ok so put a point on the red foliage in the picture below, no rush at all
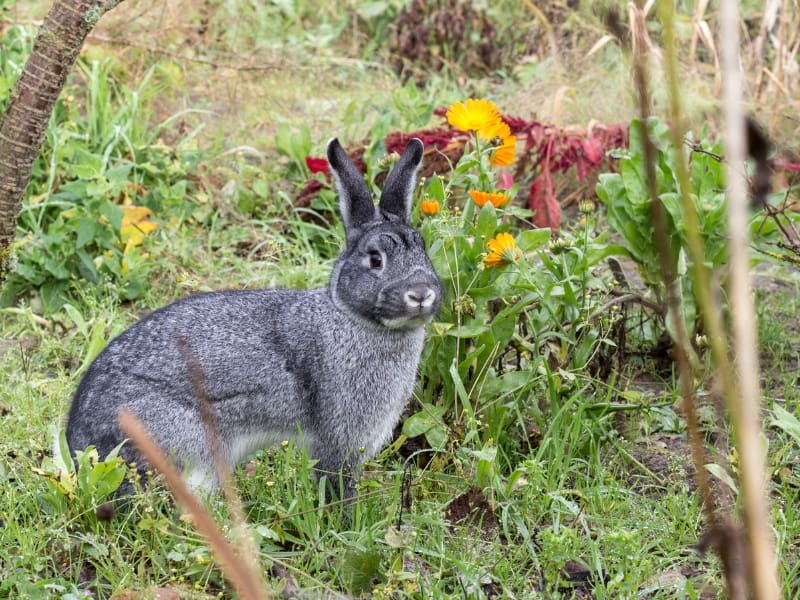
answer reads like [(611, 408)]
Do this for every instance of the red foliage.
[(550, 149), (547, 150), (786, 165), (543, 202), (317, 165), (438, 138)]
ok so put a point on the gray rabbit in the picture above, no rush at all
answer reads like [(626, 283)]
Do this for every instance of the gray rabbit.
[(334, 365)]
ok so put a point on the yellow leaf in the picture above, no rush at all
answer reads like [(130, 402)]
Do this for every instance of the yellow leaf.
[(136, 224)]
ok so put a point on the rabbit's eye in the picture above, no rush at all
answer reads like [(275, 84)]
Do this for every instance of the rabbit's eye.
[(375, 260)]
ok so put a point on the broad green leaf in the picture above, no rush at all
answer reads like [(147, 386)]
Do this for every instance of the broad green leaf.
[(787, 422), (87, 230), (436, 189), (77, 318), (533, 239), (487, 221), (105, 477)]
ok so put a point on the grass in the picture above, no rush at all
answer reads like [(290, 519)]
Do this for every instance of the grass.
[(582, 499)]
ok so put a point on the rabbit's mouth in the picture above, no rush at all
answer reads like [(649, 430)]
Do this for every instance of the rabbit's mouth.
[(410, 309), (407, 322), (412, 317)]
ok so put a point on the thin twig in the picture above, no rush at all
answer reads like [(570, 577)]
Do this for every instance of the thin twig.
[(247, 585)]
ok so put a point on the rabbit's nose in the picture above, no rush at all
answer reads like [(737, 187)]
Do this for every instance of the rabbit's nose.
[(420, 296)]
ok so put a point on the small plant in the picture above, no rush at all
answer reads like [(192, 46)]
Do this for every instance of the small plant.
[(83, 484), (517, 302), (630, 214)]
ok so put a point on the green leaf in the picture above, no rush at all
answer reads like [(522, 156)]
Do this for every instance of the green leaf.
[(113, 213), (428, 422), (86, 266), (595, 254), (633, 178), (52, 295), (461, 391), (96, 344), (86, 230), (787, 422), (722, 475), (260, 188), (436, 437), (105, 477), (77, 318), (487, 221), (511, 381), (469, 331), (370, 10), (98, 188), (533, 239), (436, 189), (86, 165), (63, 458)]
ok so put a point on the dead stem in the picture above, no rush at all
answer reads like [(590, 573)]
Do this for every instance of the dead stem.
[(681, 342), (746, 404), (248, 584), (244, 541)]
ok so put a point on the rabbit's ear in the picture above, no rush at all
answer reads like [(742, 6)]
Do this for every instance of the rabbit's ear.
[(400, 184), (355, 201)]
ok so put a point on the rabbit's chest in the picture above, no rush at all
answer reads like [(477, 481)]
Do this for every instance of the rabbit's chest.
[(376, 390)]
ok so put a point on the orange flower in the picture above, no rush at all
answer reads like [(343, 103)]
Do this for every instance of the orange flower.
[(497, 199), (429, 207), (502, 251), (506, 149), (472, 115), (505, 154)]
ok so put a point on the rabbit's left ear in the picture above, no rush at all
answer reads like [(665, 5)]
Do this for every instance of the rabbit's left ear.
[(400, 184)]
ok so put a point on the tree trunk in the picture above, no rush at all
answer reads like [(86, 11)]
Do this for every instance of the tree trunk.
[(24, 123)]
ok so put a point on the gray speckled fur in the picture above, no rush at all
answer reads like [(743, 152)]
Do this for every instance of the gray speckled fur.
[(337, 364)]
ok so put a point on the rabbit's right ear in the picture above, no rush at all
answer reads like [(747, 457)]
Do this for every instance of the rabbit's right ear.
[(355, 201)]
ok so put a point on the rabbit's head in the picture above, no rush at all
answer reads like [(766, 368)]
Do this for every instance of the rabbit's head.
[(384, 276)]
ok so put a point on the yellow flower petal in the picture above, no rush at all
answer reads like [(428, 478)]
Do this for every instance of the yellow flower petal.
[(473, 114), (494, 129), (136, 225), (502, 251)]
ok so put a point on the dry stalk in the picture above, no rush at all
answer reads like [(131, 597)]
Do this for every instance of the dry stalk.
[(699, 13), (244, 540), (548, 27), (247, 583), (746, 404), (681, 343), (711, 310)]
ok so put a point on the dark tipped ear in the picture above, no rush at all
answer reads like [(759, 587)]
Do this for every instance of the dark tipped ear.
[(400, 184), (355, 201)]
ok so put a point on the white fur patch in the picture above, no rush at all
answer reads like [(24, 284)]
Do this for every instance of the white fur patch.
[(246, 445)]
